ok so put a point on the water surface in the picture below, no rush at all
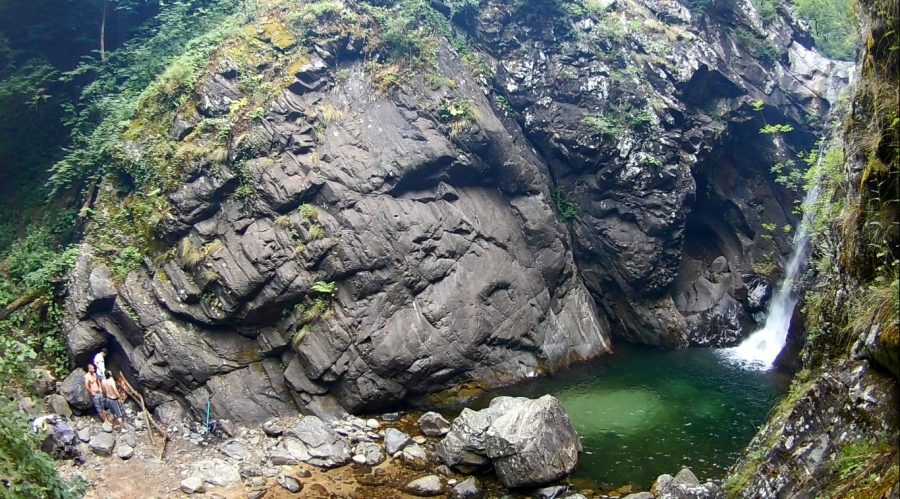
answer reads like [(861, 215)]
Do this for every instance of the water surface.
[(643, 412)]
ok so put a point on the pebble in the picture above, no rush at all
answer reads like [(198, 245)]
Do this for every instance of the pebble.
[(390, 416), (106, 427), (193, 485), (125, 452), (289, 483), (419, 439), (359, 459), (373, 424)]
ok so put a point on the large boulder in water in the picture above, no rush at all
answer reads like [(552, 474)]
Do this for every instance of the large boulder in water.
[(529, 442)]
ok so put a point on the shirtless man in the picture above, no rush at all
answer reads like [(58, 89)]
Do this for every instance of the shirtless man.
[(111, 391), (92, 383)]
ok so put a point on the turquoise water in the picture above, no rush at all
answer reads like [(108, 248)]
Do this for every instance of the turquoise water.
[(643, 412)]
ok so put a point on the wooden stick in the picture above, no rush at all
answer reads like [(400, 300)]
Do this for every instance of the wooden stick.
[(152, 424)]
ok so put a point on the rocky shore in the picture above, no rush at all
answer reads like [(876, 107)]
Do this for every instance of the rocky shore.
[(517, 447)]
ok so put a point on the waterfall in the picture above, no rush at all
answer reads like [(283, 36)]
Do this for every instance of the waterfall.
[(762, 347)]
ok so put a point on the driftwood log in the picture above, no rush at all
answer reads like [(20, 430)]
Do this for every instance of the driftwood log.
[(151, 423)]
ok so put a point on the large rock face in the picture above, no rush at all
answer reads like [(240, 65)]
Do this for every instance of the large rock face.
[(434, 209)]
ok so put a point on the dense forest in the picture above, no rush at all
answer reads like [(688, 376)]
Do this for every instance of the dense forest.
[(81, 80)]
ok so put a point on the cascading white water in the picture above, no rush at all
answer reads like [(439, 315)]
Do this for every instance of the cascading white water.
[(763, 346)]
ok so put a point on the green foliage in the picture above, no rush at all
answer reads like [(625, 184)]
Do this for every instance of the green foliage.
[(308, 211), (567, 208), (177, 41), (602, 124), (323, 287), (761, 48), (776, 128), (410, 30), (455, 109), (833, 26), (129, 260), (315, 232), (25, 470), (767, 10)]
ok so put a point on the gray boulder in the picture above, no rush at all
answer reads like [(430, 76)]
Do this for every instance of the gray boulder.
[(433, 424), (426, 486), (325, 446), (57, 404), (395, 440), (84, 434), (534, 443), (217, 472), (639, 495), (414, 456), (684, 485), (371, 452), (72, 388), (103, 444)]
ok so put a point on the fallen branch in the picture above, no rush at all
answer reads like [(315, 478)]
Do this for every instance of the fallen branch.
[(20, 302), (151, 423)]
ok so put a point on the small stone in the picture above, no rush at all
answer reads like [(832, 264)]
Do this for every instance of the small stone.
[(687, 477), (719, 265), (303, 473), (248, 470), (234, 449), (84, 434), (193, 485), (452, 482), (433, 424), (467, 489), (130, 440), (256, 494), (289, 483), (359, 459), (257, 481), (106, 427), (395, 440), (414, 456), (373, 424), (371, 452), (124, 452), (390, 416), (419, 439), (103, 444), (426, 486), (553, 492), (444, 470), (639, 495), (218, 472)]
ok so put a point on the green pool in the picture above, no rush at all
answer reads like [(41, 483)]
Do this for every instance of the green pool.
[(643, 412)]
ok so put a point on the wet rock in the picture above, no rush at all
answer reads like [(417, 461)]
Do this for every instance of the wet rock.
[(289, 483), (57, 404), (553, 492), (414, 456), (124, 452), (103, 444), (326, 447), (684, 485), (467, 489), (217, 472), (395, 440), (533, 443), (426, 486), (371, 452), (193, 485), (433, 424)]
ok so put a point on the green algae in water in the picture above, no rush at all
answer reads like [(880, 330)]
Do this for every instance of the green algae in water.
[(643, 412)]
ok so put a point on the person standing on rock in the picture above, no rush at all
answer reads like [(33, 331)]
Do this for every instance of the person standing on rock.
[(92, 384), (100, 363), (111, 392)]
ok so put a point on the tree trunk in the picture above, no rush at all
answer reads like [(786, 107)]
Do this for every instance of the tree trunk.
[(103, 32)]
